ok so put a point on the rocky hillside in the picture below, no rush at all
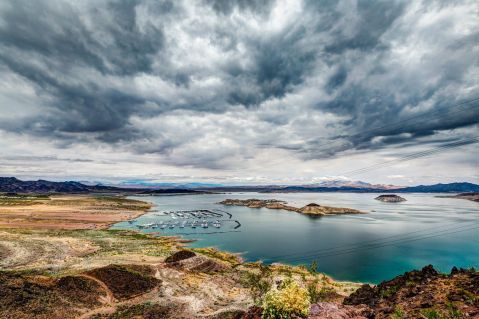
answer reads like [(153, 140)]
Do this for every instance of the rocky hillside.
[(422, 294)]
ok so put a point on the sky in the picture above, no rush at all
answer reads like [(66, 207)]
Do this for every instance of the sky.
[(240, 92)]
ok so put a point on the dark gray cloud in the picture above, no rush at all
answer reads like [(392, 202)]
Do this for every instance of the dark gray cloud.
[(179, 78), (253, 6), (56, 32)]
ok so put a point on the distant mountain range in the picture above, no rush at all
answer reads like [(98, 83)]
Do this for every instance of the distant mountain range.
[(357, 187), (14, 185), (350, 184)]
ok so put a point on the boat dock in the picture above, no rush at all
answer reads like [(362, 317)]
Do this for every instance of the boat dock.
[(199, 218)]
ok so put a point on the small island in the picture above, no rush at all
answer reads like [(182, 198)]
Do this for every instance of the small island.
[(312, 209), (390, 198)]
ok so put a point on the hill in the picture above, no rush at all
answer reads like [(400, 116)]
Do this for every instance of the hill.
[(14, 185), (441, 188)]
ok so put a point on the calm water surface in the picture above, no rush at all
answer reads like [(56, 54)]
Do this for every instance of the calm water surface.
[(391, 239)]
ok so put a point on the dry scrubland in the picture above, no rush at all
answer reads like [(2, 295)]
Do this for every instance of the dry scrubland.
[(67, 212), (119, 274), (50, 270)]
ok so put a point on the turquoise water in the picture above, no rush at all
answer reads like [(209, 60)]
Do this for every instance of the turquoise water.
[(391, 239)]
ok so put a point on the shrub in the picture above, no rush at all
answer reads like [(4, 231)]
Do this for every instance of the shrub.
[(313, 268), (313, 291), (398, 314), (289, 302), (260, 283)]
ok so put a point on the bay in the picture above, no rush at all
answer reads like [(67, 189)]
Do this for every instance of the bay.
[(390, 239)]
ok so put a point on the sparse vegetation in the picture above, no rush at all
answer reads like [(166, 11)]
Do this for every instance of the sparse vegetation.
[(452, 312), (229, 258), (260, 282), (126, 281), (146, 310), (398, 313), (313, 268), (313, 291)]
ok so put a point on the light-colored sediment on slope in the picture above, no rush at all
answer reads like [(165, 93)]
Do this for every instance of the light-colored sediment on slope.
[(67, 212), (209, 284), (310, 209)]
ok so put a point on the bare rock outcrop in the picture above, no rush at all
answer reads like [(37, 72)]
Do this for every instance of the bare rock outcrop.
[(188, 260), (390, 198), (420, 292)]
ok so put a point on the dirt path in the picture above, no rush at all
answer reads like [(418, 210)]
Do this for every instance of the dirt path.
[(109, 298), (111, 303)]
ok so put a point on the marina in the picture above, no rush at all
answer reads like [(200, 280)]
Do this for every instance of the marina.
[(199, 218)]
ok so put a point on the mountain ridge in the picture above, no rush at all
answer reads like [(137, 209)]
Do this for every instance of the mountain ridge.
[(15, 185)]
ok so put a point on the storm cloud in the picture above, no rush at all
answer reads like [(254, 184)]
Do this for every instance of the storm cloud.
[(220, 85)]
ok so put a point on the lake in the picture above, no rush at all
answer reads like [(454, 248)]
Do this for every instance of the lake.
[(391, 239)]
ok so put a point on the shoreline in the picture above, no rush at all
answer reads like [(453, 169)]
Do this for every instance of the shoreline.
[(68, 211), (184, 242)]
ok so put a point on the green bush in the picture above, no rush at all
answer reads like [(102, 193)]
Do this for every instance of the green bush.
[(259, 282), (398, 314), (313, 291), (289, 302)]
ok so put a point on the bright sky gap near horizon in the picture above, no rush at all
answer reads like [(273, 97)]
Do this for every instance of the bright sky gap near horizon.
[(240, 92)]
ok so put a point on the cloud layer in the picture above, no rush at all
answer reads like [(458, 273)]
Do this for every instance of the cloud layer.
[(222, 87)]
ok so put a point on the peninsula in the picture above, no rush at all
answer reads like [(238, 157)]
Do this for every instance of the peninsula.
[(310, 209), (474, 196)]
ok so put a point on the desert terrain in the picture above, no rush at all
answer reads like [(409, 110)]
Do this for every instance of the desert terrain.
[(57, 260), (67, 211)]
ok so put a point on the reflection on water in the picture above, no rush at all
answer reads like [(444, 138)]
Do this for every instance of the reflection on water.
[(390, 239)]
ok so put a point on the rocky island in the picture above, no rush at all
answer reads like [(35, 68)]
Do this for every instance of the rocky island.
[(310, 209), (390, 198)]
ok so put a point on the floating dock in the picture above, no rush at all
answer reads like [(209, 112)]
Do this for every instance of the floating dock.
[(199, 218)]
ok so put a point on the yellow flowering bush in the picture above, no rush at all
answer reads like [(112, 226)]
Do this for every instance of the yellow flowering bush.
[(291, 301)]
